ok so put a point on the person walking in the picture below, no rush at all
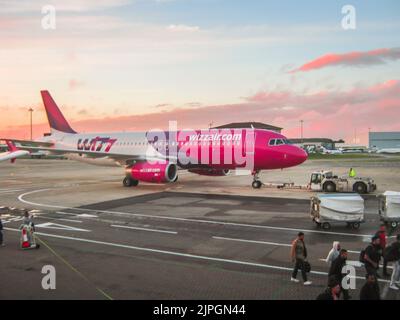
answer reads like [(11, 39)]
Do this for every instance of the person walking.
[(336, 271), (372, 256), (334, 253), (370, 290), (381, 233), (392, 253), (299, 256), (332, 292), (1, 234)]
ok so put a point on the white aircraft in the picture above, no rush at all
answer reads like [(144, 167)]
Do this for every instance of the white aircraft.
[(156, 156)]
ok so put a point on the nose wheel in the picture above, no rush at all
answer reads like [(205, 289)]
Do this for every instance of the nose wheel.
[(256, 182)]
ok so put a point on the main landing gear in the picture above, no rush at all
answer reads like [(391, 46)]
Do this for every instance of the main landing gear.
[(256, 182), (129, 182)]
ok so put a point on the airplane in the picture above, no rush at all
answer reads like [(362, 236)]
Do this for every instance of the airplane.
[(156, 156)]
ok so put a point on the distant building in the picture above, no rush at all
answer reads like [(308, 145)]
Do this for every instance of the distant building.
[(384, 140), (316, 142), (255, 125)]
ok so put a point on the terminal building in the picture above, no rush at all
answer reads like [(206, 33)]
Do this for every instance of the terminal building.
[(315, 142), (255, 125), (384, 140)]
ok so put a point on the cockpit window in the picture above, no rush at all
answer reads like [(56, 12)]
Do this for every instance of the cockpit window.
[(278, 142)]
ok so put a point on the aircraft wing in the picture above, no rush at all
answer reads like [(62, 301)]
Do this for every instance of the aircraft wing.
[(29, 142), (123, 159)]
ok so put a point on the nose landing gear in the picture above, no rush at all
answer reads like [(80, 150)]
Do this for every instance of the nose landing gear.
[(256, 182)]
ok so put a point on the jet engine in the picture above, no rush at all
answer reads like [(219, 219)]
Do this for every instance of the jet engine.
[(149, 172)]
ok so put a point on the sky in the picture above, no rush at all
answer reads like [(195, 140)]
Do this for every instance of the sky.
[(126, 65)]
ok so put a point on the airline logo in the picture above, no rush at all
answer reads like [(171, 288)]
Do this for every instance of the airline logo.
[(216, 137), (97, 144)]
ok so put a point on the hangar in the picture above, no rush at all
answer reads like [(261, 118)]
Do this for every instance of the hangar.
[(384, 140)]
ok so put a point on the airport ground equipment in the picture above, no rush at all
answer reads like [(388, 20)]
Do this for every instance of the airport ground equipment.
[(329, 209), (328, 182), (389, 208)]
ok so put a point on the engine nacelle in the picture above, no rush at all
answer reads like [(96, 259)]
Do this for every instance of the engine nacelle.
[(210, 172), (155, 173)]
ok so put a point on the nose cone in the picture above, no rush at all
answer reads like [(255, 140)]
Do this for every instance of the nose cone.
[(297, 156)]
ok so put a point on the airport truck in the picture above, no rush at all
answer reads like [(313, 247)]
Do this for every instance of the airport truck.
[(328, 182)]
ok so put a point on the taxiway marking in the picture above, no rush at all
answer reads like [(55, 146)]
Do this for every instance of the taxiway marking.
[(50, 225), (265, 242), (185, 255), (143, 229), (21, 198)]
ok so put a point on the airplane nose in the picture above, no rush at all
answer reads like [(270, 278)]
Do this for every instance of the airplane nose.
[(297, 156), (301, 155)]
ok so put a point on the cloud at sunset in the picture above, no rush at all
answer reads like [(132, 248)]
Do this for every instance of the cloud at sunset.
[(333, 114), (356, 58)]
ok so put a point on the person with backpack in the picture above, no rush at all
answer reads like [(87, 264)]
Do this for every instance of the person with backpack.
[(298, 255), (371, 256), (381, 233), (370, 290), (392, 254), (336, 271)]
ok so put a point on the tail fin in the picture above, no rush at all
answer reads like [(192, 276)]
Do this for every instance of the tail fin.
[(11, 146), (56, 119)]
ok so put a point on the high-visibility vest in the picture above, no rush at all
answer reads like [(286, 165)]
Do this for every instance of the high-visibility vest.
[(352, 173)]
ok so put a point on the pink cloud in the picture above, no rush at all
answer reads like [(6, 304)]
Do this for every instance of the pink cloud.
[(356, 58), (334, 114)]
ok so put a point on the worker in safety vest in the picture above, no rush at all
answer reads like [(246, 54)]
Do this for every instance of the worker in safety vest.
[(352, 173)]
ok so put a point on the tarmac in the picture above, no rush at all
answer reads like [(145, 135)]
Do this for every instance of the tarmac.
[(200, 238)]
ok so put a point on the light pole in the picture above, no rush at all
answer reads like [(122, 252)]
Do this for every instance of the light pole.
[(31, 111), (301, 126)]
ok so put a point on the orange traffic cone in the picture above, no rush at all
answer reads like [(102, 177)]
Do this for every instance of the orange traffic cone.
[(25, 242)]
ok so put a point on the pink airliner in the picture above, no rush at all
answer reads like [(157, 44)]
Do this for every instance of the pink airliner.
[(156, 156)]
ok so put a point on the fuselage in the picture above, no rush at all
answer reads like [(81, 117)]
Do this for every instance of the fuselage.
[(213, 148)]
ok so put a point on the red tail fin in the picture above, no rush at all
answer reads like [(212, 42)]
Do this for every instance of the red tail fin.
[(11, 146), (54, 115)]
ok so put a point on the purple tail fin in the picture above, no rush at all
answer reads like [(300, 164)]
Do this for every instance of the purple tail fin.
[(54, 115)]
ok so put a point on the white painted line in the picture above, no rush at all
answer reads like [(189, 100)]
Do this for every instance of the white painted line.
[(58, 219), (84, 215), (68, 220), (143, 229), (20, 198), (67, 213), (179, 254), (265, 242), (50, 225), (253, 241)]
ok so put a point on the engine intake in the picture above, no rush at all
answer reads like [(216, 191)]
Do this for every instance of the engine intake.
[(155, 173)]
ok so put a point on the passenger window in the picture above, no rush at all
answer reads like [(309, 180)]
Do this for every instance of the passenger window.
[(279, 142), (272, 142)]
